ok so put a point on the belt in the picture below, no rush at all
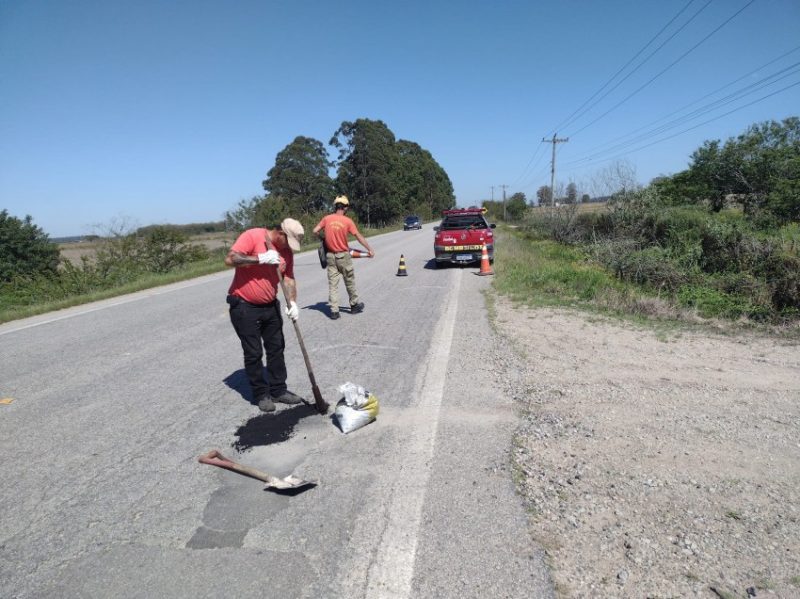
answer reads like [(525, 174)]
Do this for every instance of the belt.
[(233, 299)]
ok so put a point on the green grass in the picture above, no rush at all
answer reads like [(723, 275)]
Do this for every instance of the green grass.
[(537, 271), (197, 269), (542, 272)]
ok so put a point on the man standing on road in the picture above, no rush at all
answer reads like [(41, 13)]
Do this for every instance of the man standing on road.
[(258, 254), (334, 229)]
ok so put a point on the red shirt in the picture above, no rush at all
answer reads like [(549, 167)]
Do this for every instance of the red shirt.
[(336, 227), (258, 283)]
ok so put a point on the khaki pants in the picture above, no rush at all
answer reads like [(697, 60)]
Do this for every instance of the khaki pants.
[(340, 265)]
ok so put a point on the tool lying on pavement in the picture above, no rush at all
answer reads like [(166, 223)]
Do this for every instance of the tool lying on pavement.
[(215, 458)]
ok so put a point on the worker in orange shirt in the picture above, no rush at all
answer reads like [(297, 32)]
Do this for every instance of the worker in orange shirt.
[(334, 229)]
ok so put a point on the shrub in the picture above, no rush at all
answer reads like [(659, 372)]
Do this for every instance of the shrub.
[(782, 273), (25, 250), (710, 302), (122, 258), (650, 266)]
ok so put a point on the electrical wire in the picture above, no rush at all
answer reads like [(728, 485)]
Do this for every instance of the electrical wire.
[(672, 64), (682, 108), (698, 112), (579, 112), (571, 120), (716, 118)]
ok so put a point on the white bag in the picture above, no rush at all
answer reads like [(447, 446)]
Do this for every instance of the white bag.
[(357, 408)]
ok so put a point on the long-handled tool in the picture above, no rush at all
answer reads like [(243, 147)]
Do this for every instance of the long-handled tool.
[(319, 402), (215, 458)]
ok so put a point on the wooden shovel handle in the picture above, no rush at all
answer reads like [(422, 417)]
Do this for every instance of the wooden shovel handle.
[(215, 458)]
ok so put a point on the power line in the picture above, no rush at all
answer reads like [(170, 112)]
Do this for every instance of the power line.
[(719, 89), (570, 119), (716, 118), (698, 112), (527, 166), (672, 64)]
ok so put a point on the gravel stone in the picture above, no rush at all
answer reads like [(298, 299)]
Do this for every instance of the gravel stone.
[(655, 466)]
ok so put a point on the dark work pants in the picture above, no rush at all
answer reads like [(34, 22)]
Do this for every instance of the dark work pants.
[(257, 325)]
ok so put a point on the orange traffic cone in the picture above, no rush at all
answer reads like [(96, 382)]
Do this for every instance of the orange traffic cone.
[(486, 268), (354, 253), (401, 270)]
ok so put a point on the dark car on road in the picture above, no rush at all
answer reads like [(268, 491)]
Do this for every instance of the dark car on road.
[(411, 222), (461, 236)]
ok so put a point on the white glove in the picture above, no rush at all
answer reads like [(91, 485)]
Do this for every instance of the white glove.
[(293, 311), (269, 257)]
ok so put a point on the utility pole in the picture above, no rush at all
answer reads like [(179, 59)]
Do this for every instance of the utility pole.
[(492, 193), (504, 200), (554, 141)]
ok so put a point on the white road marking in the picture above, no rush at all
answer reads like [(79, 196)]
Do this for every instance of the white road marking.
[(392, 569)]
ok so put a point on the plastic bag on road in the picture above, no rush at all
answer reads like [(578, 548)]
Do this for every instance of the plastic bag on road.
[(357, 408)]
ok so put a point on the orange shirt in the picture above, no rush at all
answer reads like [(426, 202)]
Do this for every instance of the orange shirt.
[(336, 227), (258, 283)]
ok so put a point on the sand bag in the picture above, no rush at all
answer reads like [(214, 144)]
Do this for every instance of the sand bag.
[(357, 408)]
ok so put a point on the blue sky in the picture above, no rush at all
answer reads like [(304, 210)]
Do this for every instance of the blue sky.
[(172, 112)]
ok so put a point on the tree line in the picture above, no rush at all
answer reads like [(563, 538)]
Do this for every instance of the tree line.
[(384, 178)]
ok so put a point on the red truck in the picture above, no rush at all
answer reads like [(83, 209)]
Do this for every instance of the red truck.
[(461, 235)]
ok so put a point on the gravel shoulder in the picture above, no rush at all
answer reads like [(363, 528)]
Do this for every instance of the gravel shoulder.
[(656, 467)]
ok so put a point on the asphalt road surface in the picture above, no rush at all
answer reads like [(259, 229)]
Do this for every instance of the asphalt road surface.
[(113, 402)]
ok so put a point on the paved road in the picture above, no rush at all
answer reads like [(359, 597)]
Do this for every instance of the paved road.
[(102, 495)]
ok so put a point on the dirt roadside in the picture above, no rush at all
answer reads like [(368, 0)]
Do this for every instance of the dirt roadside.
[(656, 467)]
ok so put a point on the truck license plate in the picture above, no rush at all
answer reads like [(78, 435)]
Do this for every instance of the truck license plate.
[(464, 257)]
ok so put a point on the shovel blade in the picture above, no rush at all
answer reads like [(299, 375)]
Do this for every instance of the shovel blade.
[(289, 482)]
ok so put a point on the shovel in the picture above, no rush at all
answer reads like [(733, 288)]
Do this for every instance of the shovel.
[(215, 458), (319, 401)]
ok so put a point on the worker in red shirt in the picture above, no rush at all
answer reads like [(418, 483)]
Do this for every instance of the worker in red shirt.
[(334, 229), (255, 310)]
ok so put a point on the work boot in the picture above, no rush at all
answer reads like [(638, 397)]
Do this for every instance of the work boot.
[(266, 405), (357, 309), (335, 315), (287, 397)]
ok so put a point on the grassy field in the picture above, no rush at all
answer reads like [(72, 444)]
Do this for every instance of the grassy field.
[(542, 272), (74, 250)]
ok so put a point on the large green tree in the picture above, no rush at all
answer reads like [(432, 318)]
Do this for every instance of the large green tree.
[(367, 168), (572, 193), (516, 205), (544, 197), (422, 184), (25, 249), (760, 167), (300, 176), (385, 178)]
